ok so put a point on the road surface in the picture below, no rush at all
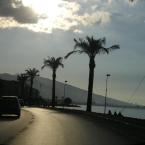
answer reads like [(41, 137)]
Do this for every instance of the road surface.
[(51, 127), (10, 126)]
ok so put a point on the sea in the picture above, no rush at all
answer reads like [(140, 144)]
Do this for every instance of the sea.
[(126, 111)]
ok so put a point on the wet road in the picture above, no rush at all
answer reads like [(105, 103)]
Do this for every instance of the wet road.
[(54, 128)]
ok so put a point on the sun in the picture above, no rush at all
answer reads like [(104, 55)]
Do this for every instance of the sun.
[(52, 14), (45, 8)]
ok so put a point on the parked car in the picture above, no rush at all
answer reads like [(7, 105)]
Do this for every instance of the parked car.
[(10, 105)]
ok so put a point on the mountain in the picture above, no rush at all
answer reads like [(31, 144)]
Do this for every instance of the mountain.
[(78, 96)]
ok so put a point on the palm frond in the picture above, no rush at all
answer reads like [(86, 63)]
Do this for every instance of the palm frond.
[(32, 72), (22, 77), (43, 66), (52, 63), (59, 59), (115, 47), (59, 62), (70, 53), (91, 46), (103, 41), (103, 50)]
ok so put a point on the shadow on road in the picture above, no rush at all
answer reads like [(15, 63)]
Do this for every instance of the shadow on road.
[(8, 118)]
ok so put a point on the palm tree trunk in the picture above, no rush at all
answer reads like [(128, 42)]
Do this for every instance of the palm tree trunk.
[(22, 90), (90, 85), (31, 87), (53, 88)]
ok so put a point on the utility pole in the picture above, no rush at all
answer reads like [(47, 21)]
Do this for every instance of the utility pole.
[(65, 83), (107, 76)]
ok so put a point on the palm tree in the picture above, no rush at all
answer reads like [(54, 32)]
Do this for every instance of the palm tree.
[(22, 78), (91, 47), (53, 63), (32, 73)]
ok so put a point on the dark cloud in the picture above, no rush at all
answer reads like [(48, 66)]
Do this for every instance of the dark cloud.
[(16, 10)]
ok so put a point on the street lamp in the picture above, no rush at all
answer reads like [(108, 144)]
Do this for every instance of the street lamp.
[(107, 76), (65, 83)]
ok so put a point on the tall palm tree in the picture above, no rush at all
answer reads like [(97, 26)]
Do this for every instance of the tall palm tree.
[(32, 73), (53, 63), (91, 47), (22, 78)]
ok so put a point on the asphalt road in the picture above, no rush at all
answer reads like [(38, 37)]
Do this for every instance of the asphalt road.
[(51, 127), (10, 126)]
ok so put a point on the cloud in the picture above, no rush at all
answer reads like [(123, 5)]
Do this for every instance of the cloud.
[(73, 14), (77, 31), (7, 22), (15, 9), (100, 17)]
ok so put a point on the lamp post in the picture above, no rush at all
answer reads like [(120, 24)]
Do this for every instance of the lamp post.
[(65, 83), (107, 76)]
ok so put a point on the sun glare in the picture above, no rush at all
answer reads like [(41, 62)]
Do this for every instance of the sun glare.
[(45, 8), (53, 14)]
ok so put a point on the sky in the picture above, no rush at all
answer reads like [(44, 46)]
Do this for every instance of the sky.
[(31, 30)]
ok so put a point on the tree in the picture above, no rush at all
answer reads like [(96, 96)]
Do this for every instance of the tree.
[(22, 78), (91, 47), (53, 63), (32, 73)]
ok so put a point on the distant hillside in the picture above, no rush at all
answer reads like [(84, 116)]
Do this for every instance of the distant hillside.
[(78, 96), (13, 88)]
